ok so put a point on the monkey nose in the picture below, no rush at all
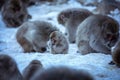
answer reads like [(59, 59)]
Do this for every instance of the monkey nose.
[(43, 49)]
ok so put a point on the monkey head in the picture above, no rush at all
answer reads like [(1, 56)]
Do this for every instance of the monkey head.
[(64, 16), (55, 37), (110, 33), (31, 69), (8, 69)]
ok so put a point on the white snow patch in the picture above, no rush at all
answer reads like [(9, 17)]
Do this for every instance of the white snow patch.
[(95, 63)]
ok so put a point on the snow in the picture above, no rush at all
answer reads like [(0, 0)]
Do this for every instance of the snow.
[(94, 63)]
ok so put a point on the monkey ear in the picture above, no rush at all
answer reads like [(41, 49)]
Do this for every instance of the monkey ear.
[(63, 18)]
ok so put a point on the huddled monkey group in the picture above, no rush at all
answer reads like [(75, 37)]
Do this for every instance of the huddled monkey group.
[(91, 32)]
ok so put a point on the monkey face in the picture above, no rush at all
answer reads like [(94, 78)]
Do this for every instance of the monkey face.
[(110, 34), (106, 36), (63, 17), (55, 37)]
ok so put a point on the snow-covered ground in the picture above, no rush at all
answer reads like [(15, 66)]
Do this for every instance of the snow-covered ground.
[(95, 63)]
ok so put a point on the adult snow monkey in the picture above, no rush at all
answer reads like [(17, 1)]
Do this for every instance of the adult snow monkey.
[(33, 35), (71, 18), (97, 33)]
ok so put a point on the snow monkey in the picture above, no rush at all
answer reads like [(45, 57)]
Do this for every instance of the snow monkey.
[(14, 13), (33, 35), (105, 6), (62, 73), (31, 69), (71, 18), (116, 54), (97, 33), (58, 43), (9, 69)]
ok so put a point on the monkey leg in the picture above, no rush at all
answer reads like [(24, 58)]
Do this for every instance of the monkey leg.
[(84, 47)]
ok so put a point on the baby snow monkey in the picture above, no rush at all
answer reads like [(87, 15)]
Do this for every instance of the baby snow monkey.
[(58, 43)]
